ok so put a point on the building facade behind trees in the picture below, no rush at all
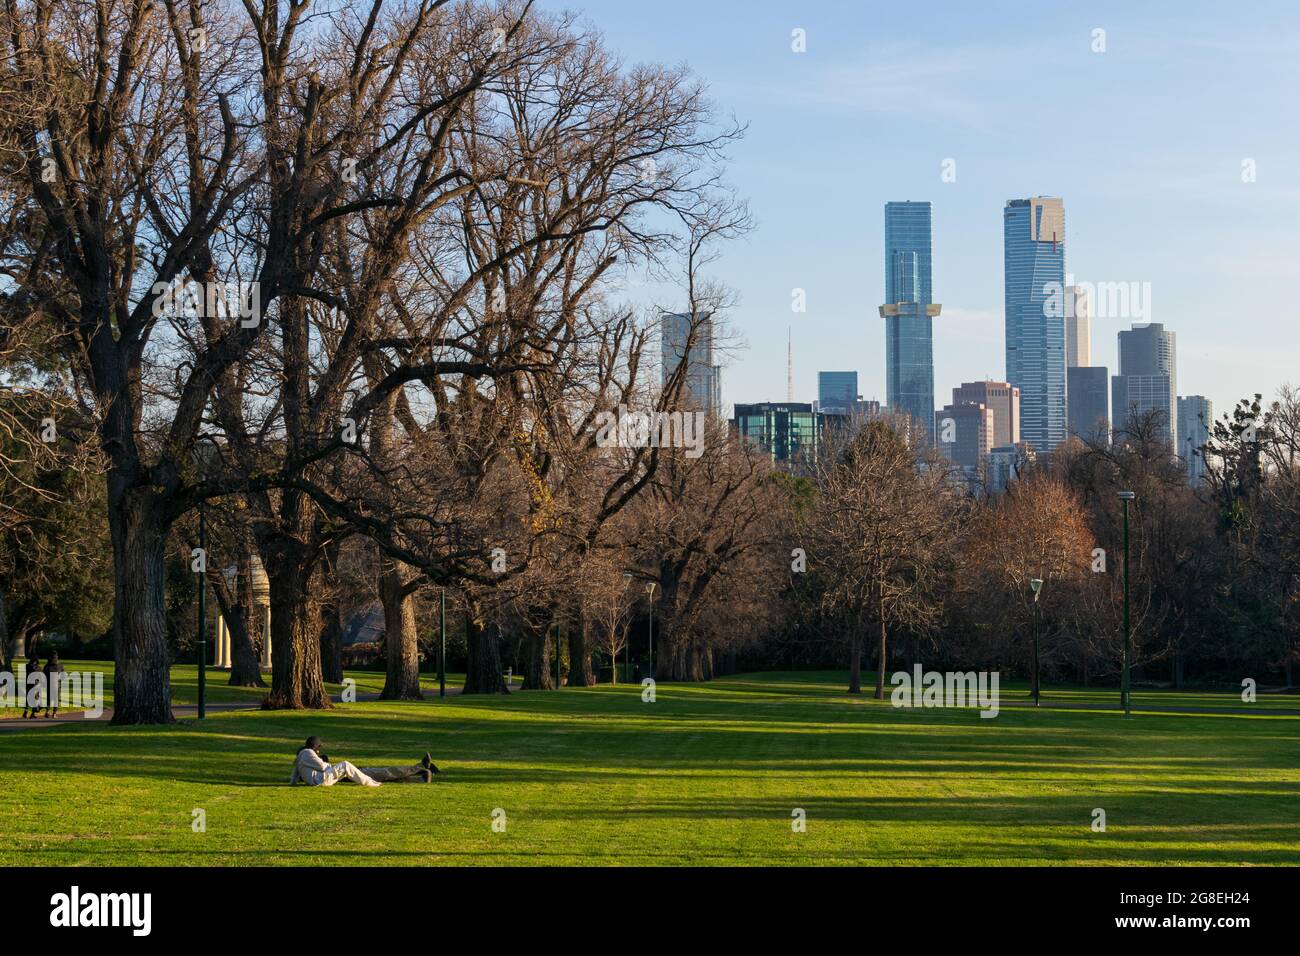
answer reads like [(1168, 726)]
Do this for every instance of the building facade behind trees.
[(790, 432), (1147, 379), (1195, 415), (702, 389)]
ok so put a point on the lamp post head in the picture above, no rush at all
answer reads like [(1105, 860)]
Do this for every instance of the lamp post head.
[(1126, 496), (1036, 585), (650, 590)]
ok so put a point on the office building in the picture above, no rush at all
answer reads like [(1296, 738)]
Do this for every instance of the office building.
[(1006, 462), (1034, 274), (964, 433), (836, 392), (1002, 398), (789, 431), (1088, 390), (1147, 379), (701, 389), (909, 312), (1078, 327)]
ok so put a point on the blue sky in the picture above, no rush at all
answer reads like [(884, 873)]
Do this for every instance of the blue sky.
[(1145, 142)]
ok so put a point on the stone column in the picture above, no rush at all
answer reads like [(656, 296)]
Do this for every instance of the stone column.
[(266, 636)]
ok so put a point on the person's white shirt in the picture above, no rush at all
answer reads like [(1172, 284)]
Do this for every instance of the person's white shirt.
[(309, 768)]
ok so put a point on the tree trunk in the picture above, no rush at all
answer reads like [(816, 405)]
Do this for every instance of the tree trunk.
[(296, 680), (882, 658), (483, 659), (331, 642), (855, 662), (538, 674), (580, 672), (142, 677), (401, 640), (245, 666), (693, 670), (4, 633)]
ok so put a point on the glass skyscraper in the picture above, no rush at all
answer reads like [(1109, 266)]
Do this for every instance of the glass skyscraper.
[(1195, 416), (909, 312), (1033, 233), (1147, 379), (836, 392), (702, 387)]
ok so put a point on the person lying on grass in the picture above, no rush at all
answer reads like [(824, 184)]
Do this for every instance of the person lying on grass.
[(313, 768)]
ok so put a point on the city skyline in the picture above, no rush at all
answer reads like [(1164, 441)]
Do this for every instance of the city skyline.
[(1153, 179)]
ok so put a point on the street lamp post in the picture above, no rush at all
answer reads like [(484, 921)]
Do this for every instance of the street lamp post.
[(1036, 585), (202, 467), (650, 630), (1125, 692), (627, 642), (203, 613)]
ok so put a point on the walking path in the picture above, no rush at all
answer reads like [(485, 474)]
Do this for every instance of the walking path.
[(180, 711)]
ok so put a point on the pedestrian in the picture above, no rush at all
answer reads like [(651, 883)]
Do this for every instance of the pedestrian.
[(53, 678), (34, 695)]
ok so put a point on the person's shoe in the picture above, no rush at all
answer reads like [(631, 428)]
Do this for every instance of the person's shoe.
[(428, 762)]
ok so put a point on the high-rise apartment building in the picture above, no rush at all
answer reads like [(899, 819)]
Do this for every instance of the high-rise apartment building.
[(909, 312), (1147, 379), (1002, 398), (702, 386), (1195, 416), (1034, 272)]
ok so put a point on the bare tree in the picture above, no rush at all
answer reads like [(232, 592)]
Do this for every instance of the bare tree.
[(881, 531)]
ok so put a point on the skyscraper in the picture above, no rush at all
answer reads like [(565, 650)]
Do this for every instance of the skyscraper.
[(1195, 414), (702, 388), (909, 313), (1034, 266), (1002, 398), (836, 392), (1078, 327), (1147, 379), (1089, 402)]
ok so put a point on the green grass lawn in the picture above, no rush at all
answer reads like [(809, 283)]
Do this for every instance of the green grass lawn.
[(709, 774)]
